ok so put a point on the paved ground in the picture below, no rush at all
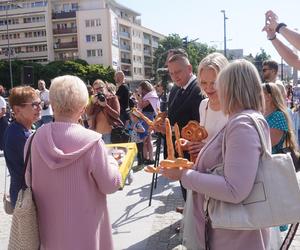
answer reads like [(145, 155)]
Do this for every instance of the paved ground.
[(135, 225)]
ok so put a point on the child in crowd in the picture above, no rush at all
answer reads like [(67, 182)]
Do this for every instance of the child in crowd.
[(137, 136)]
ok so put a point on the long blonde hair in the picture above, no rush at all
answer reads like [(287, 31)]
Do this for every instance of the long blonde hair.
[(279, 103)]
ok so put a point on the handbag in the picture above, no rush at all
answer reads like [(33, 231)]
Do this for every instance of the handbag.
[(24, 233), (275, 185), (119, 135), (8, 207)]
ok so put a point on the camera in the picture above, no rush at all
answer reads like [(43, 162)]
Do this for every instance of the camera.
[(101, 97)]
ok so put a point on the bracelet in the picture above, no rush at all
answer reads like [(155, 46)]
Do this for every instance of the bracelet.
[(279, 26), (272, 38)]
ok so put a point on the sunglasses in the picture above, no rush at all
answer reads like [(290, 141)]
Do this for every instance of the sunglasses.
[(34, 105), (264, 70)]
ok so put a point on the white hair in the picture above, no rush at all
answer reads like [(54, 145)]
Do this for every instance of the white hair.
[(68, 95)]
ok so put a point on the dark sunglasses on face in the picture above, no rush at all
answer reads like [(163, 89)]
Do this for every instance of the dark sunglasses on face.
[(264, 70), (35, 105)]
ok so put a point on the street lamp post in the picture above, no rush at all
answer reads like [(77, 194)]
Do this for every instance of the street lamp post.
[(225, 18), (8, 46)]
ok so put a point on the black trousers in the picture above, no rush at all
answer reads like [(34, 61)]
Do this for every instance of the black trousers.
[(140, 157)]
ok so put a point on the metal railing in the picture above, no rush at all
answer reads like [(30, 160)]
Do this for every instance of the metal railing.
[(64, 31), (61, 15)]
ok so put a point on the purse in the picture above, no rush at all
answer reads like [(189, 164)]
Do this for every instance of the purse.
[(24, 233), (273, 200), (8, 207)]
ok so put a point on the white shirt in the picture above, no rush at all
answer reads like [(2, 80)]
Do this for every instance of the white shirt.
[(213, 121), (44, 95), (2, 103), (193, 77)]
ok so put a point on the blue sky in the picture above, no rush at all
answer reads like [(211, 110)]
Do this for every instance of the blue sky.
[(203, 20)]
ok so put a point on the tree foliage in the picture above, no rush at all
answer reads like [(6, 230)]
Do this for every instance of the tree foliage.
[(80, 68), (258, 59), (196, 51)]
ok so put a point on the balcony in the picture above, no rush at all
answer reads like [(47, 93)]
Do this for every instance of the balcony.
[(64, 15), (125, 47), (125, 60), (65, 58), (127, 73), (147, 41), (124, 34), (154, 44), (64, 31), (70, 45), (147, 53), (148, 64)]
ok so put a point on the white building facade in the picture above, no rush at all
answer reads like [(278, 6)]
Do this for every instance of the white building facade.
[(98, 31)]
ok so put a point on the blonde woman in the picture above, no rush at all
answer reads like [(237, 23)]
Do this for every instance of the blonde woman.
[(278, 118), (211, 116), (240, 93)]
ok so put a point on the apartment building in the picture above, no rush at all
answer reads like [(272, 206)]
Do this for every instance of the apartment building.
[(98, 31)]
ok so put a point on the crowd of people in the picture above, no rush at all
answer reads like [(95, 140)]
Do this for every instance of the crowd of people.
[(70, 123)]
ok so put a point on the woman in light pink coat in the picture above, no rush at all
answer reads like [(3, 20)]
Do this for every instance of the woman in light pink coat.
[(71, 175), (240, 92)]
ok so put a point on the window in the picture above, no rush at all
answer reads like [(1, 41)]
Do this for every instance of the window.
[(74, 6), (91, 53), (88, 38), (87, 23), (94, 53), (99, 52), (98, 22), (99, 38)]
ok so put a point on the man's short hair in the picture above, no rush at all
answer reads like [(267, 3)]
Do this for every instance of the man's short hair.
[(177, 52), (271, 64), (179, 58)]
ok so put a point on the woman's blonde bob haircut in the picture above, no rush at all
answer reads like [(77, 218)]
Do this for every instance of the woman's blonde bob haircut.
[(215, 61), (68, 95), (239, 88)]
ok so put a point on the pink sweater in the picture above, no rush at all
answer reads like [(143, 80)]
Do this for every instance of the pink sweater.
[(241, 161), (72, 174)]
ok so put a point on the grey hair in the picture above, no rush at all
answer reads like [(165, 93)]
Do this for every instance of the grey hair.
[(68, 94)]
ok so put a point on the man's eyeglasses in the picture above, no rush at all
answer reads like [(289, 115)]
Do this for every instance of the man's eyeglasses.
[(264, 70), (35, 105)]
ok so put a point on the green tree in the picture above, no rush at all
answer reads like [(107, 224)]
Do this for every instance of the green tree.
[(258, 59), (196, 51), (97, 71)]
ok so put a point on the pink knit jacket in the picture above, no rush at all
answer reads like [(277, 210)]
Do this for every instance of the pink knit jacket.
[(71, 175)]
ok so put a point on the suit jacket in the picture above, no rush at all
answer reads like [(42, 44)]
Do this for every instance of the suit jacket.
[(184, 108)]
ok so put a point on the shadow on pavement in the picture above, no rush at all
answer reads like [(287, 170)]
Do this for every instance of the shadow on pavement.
[(165, 239)]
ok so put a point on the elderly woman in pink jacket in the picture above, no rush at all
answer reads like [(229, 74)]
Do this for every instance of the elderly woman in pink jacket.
[(240, 92), (71, 175)]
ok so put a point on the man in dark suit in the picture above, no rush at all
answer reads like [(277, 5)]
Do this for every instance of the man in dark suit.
[(185, 96)]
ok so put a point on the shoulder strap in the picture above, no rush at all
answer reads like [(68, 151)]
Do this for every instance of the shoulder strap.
[(28, 153), (259, 131)]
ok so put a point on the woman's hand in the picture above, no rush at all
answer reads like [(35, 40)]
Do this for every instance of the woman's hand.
[(183, 143), (270, 24), (172, 173), (271, 20), (103, 104), (195, 147)]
